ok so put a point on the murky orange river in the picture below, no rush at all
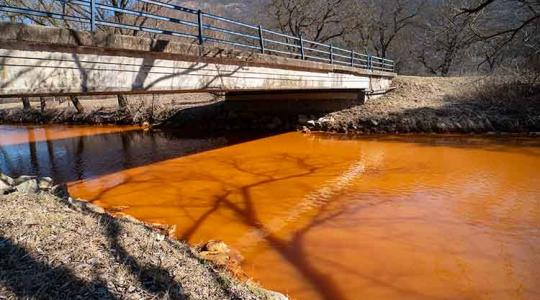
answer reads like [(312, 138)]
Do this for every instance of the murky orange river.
[(320, 216)]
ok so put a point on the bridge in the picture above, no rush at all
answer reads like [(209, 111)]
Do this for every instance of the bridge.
[(181, 50)]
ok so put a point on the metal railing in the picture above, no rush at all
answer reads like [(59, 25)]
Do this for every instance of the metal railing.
[(159, 19)]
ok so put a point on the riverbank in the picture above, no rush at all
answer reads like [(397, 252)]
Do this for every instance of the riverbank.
[(52, 246), (442, 105), (493, 104), (124, 110)]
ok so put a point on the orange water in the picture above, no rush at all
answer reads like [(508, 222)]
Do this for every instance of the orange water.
[(327, 217), (322, 218)]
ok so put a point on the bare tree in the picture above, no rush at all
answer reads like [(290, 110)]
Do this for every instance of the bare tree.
[(122, 101), (317, 20), (443, 37), (26, 103), (512, 30), (80, 11), (139, 20), (77, 104), (387, 19), (42, 103)]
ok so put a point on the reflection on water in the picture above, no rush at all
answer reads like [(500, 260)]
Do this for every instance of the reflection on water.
[(322, 217), (70, 153)]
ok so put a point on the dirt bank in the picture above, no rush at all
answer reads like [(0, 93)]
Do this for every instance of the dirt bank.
[(443, 105), (59, 248), (416, 105), (135, 109)]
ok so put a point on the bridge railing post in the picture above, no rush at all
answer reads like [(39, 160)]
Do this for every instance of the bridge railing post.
[(200, 25), (352, 58), (93, 15), (370, 62), (331, 54), (261, 39), (302, 52), (64, 3)]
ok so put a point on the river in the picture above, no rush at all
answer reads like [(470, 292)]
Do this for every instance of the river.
[(319, 216)]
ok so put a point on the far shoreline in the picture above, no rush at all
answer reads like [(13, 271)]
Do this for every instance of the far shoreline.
[(416, 105)]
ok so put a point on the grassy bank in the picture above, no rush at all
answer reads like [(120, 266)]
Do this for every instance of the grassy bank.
[(59, 248)]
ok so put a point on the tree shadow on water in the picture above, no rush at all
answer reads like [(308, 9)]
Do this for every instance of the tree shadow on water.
[(293, 250)]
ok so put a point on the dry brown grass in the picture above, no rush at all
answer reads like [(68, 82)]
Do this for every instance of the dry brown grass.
[(52, 248), (513, 94), (103, 109), (471, 104)]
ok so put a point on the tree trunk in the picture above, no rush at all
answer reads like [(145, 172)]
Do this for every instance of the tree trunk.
[(26, 103), (77, 104), (122, 101), (43, 103)]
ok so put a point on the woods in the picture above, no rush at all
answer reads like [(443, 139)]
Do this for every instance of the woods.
[(424, 37)]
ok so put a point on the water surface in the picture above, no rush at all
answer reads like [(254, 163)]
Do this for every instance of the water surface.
[(318, 216)]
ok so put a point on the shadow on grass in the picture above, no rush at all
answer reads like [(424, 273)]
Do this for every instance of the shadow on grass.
[(27, 277), (155, 280), (31, 274), (509, 104)]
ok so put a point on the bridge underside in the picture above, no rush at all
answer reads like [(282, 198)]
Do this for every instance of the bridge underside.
[(302, 101), (41, 61)]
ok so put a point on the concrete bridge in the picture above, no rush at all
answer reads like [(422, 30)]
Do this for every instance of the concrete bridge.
[(45, 61)]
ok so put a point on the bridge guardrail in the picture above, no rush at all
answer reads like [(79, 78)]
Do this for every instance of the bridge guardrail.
[(148, 16)]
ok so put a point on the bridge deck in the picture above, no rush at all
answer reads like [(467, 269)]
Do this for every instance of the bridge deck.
[(37, 60)]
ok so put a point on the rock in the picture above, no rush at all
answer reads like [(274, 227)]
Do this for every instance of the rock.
[(311, 123), (326, 120), (374, 123), (215, 251), (45, 183), (29, 186), (5, 188), (215, 246), (305, 130), (441, 126), (166, 230), (60, 191), (76, 203), (473, 126), (23, 178), (160, 237), (6, 179), (94, 208), (272, 295)]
